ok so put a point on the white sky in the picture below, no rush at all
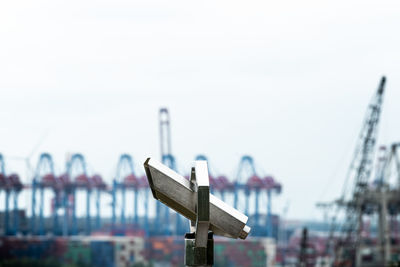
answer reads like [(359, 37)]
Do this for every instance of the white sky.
[(287, 82)]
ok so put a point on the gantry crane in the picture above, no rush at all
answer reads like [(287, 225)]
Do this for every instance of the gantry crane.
[(12, 186), (248, 181), (44, 179), (125, 179), (77, 172)]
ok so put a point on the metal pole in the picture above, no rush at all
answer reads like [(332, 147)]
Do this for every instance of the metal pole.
[(88, 228), (146, 210), (41, 204), (247, 196), (136, 207), (269, 215), (98, 209), (55, 214), (114, 199), (6, 215), (236, 196), (123, 207), (256, 215), (167, 223), (178, 224), (33, 217), (16, 217), (65, 221), (199, 243), (157, 222), (74, 220)]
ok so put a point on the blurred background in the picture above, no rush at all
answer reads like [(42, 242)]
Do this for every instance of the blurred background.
[(272, 94)]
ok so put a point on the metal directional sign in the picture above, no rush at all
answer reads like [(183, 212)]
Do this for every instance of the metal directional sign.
[(181, 195)]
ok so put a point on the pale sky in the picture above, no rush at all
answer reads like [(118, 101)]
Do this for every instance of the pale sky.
[(287, 82)]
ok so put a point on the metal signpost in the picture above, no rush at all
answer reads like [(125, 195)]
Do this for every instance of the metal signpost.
[(192, 199)]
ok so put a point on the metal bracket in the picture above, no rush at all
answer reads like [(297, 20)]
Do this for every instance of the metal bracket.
[(199, 244)]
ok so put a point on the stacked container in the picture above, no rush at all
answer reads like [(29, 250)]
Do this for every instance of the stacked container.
[(102, 253), (129, 250), (78, 252)]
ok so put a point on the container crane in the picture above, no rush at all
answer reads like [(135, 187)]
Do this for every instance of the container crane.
[(125, 179), (143, 188), (246, 171), (12, 186), (43, 179), (67, 189), (99, 185), (270, 186), (76, 170), (249, 181), (16, 187)]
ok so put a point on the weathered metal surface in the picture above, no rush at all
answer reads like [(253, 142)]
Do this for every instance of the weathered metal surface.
[(176, 192)]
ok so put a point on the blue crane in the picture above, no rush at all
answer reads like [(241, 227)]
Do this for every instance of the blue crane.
[(76, 170), (12, 186), (99, 185), (249, 181), (43, 179), (125, 179), (245, 171)]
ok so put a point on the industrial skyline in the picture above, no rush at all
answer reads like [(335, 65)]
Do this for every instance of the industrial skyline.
[(285, 85)]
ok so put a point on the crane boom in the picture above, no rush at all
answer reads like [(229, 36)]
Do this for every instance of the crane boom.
[(360, 170)]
